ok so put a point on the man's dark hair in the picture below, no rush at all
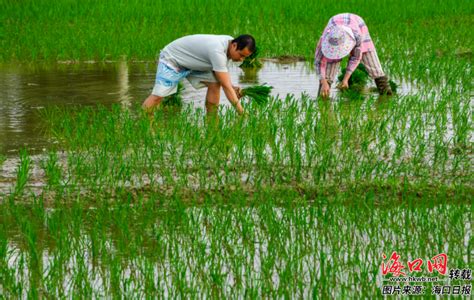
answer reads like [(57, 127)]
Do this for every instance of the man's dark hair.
[(245, 40)]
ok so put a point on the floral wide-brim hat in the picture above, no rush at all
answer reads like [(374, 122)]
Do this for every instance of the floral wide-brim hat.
[(338, 42)]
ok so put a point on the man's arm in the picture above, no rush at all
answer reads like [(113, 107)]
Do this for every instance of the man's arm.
[(224, 80)]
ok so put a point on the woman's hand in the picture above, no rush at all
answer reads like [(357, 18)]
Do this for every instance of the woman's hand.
[(344, 85), (325, 88)]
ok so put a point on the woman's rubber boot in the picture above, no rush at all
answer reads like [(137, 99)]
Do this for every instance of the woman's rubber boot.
[(383, 86)]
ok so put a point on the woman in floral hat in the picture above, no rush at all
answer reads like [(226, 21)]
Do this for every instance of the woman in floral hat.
[(347, 34)]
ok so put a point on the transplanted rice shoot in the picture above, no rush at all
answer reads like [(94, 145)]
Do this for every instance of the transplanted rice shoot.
[(252, 61), (303, 193), (297, 200), (358, 79), (175, 99)]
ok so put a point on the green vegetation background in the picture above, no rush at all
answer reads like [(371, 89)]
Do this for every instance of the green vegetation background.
[(331, 156), (33, 30)]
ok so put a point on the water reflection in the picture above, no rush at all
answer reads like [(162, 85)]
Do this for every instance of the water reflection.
[(123, 83), (29, 88), (249, 75)]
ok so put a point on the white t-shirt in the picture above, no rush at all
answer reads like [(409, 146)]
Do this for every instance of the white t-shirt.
[(199, 52)]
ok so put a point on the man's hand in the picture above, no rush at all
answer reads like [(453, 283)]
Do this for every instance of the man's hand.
[(229, 91), (325, 88), (240, 110)]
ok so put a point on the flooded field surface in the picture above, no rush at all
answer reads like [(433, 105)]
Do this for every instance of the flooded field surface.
[(145, 251), (301, 197), (26, 89), (363, 195), (29, 88)]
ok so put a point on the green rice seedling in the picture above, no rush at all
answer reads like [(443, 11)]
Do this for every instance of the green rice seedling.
[(358, 82), (3, 158), (175, 100), (23, 172), (300, 244), (401, 51), (302, 202), (52, 169), (259, 94), (393, 86), (252, 61), (358, 79)]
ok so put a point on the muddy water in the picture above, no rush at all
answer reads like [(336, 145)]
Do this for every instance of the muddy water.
[(26, 89)]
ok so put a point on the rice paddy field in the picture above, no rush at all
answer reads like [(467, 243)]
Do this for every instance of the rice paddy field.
[(300, 198)]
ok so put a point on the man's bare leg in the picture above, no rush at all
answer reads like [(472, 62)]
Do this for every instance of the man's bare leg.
[(212, 104), (212, 97)]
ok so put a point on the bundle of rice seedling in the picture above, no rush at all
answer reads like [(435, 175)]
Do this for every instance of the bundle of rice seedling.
[(258, 93), (252, 61), (358, 79)]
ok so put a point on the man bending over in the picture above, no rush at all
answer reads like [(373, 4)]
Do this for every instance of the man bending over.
[(203, 60)]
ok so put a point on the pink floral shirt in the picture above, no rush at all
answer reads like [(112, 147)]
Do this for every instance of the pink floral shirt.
[(363, 43)]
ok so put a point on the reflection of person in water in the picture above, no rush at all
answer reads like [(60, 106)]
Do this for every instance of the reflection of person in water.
[(249, 75), (347, 34)]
